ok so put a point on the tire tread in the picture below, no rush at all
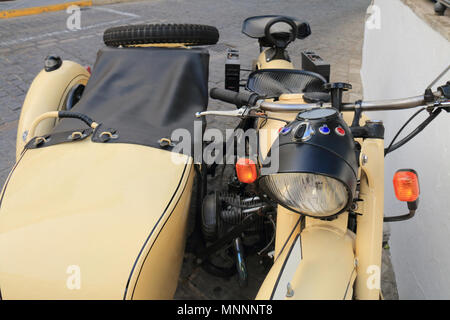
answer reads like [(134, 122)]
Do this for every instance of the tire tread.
[(189, 34)]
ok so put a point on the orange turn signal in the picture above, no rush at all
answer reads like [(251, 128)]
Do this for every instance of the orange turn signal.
[(246, 170), (406, 185)]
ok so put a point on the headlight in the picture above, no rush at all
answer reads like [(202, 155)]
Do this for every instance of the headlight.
[(317, 165), (308, 193)]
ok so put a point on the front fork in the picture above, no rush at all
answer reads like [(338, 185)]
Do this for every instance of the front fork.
[(369, 233), (333, 259)]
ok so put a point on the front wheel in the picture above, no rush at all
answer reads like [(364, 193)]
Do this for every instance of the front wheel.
[(184, 34)]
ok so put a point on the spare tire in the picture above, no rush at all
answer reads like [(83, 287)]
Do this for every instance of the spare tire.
[(187, 34)]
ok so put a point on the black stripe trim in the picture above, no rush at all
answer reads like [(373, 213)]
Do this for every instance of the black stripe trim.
[(290, 235), (162, 228), (151, 232), (348, 284), (285, 262), (9, 177)]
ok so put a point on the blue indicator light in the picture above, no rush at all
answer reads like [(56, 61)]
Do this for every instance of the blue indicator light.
[(285, 130), (324, 129)]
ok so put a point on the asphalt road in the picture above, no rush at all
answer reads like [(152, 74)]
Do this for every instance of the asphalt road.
[(337, 34)]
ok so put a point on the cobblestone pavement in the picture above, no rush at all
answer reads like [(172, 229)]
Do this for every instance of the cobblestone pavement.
[(337, 33)]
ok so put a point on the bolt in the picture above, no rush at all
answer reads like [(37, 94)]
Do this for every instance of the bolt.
[(364, 159), (52, 63), (290, 291)]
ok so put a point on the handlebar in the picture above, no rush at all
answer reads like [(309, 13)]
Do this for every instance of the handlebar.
[(237, 98), (381, 105), (253, 99)]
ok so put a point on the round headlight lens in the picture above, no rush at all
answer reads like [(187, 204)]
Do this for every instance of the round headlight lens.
[(307, 193)]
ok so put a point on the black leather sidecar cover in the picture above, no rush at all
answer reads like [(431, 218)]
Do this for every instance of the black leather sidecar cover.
[(144, 93)]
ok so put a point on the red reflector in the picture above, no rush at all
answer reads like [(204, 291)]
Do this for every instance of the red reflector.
[(88, 69), (246, 170), (406, 185)]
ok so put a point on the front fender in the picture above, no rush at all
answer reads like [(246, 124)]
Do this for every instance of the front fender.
[(48, 92), (319, 264)]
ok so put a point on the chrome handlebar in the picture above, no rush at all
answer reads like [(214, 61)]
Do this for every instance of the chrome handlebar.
[(380, 105)]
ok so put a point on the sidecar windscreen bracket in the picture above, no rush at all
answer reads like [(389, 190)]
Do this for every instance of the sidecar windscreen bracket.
[(254, 27)]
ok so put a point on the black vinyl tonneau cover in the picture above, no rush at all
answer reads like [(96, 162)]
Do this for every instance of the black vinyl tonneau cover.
[(144, 93)]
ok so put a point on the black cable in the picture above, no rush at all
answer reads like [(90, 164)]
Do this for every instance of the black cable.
[(264, 116), (75, 115), (415, 132), (387, 150), (400, 218)]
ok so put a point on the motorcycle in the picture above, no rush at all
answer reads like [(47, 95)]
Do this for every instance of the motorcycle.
[(326, 190), (100, 200)]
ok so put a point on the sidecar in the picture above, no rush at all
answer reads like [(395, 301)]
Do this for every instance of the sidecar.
[(100, 212)]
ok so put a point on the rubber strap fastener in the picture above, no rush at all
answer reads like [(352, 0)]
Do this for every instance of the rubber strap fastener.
[(39, 141), (107, 135)]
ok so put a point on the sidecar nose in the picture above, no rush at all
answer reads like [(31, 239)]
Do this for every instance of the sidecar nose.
[(71, 231)]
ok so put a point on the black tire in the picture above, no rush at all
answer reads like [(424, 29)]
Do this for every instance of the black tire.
[(187, 34)]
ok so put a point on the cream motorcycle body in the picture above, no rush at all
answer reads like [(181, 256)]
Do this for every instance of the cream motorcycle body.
[(324, 259), (89, 220)]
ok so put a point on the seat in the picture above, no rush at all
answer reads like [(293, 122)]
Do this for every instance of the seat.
[(144, 93), (271, 83)]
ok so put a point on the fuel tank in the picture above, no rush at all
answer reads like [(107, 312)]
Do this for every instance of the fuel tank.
[(85, 220)]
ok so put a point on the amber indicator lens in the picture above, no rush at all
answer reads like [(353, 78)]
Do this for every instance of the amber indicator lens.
[(406, 185), (246, 170)]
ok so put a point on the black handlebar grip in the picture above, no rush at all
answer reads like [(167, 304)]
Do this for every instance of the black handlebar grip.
[(237, 98)]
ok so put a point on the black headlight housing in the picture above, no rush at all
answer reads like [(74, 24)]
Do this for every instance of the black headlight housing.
[(317, 173)]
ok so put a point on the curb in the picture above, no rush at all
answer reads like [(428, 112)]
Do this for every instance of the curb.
[(103, 2), (6, 14)]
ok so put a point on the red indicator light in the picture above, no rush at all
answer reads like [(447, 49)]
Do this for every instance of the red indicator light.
[(340, 131)]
